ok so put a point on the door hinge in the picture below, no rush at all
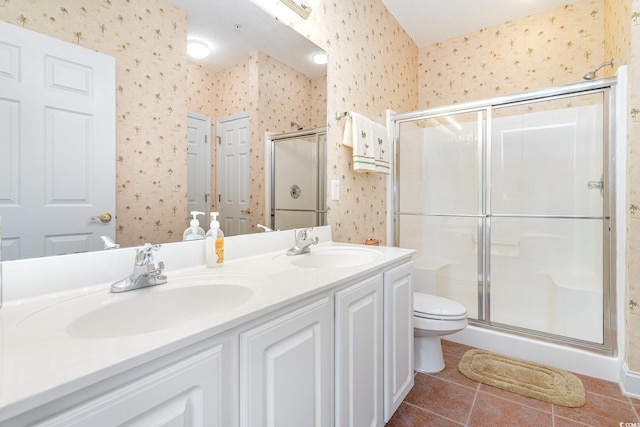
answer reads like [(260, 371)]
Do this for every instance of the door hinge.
[(206, 139), (206, 197), (219, 198), (219, 139)]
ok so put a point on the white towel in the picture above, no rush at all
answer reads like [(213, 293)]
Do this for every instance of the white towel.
[(358, 134), (381, 145), (347, 136)]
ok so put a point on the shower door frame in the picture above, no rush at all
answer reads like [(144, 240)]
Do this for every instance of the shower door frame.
[(484, 109), (321, 146)]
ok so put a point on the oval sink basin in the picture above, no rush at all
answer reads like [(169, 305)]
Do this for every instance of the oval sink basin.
[(154, 309), (333, 257), (186, 298)]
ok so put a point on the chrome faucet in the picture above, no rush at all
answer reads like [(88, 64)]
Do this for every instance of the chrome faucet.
[(145, 271), (303, 244)]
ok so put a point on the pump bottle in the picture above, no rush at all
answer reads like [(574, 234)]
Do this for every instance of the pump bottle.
[(194, 232), (214, 243)]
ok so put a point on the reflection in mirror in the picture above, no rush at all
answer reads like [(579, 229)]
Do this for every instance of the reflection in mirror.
[(57, 147), (0, 261), (287, 92), (156, 86), (298, 176)]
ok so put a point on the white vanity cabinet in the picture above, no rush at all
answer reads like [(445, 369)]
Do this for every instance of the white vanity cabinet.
[(285, 363), (190, 389), (359, 355), (373, 347), (311, 351), (398, 336), (286, 369)]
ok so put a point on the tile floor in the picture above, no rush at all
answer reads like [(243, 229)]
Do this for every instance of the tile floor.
[(450, 399)]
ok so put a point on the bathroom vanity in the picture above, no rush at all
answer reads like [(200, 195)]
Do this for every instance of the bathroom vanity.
[(316, 339)]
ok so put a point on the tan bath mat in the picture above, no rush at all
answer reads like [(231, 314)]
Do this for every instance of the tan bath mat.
[(530, 379)]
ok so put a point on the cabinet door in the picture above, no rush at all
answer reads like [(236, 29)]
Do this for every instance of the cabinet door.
[(398, 336), (187, 393), (358, 347), (285, 370)]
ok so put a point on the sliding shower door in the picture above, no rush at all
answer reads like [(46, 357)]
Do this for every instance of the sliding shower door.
[(440, 204), (546, 217), (507, 205)]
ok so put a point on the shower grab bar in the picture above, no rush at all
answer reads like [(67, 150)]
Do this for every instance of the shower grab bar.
[(440, 214), (299, 210), (547, 216), (503, 215)]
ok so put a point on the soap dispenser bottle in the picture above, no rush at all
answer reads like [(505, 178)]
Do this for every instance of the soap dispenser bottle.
[(214, 243), (194, 232)]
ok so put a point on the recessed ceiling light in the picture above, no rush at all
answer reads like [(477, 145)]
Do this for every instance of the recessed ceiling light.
[(197, 49), (320, 58)]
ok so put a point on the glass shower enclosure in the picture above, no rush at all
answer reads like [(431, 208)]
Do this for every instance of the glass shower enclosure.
[(298, 175), (508, 203)]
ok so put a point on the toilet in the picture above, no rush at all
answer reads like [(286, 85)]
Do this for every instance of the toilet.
[(433, 317)]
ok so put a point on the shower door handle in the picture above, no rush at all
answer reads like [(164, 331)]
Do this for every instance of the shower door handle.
[(597, 185)]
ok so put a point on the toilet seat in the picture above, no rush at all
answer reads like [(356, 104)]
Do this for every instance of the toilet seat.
[(434, 307)]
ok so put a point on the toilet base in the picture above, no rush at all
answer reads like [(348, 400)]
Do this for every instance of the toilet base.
[(427, 354)]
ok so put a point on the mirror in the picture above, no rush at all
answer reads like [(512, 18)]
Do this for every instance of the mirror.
[(157, 85), (298, 179)]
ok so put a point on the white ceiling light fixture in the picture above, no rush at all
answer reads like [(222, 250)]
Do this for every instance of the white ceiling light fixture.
[(320, 58), (197, 49)]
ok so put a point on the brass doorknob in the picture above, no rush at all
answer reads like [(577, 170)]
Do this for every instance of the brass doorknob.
[(105, 217), (246, 211)]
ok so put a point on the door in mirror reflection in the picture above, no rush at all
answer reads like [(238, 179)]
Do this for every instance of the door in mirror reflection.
[(298, 179), (198, 165), (57, 145), (233, 174)]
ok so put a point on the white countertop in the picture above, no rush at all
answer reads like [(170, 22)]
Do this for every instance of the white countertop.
[(40, 360)]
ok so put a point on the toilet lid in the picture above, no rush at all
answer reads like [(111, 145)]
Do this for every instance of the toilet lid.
[(434, 307)]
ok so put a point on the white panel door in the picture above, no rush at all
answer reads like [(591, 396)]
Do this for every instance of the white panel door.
[(359, 366), (57, 145), (198, 165), (233, 174)]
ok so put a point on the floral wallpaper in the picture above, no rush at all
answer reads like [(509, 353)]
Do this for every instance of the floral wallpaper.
[(548, 49), (147, 38), (617, 33), (631, 20)]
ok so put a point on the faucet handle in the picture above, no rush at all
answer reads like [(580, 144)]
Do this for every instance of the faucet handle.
[(144, 253), (302, 233)]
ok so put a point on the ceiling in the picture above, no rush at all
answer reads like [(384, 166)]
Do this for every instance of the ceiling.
[(433, 21), (235, 28)]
